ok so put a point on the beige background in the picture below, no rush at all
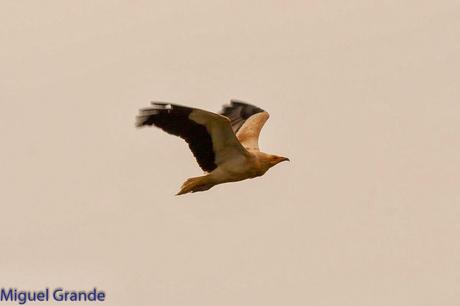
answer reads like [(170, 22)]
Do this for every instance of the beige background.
[(364, 98)]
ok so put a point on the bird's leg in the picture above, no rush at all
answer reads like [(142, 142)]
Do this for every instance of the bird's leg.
[(194, 184)]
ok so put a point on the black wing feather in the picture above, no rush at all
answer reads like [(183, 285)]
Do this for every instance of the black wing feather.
[(238, 112), (174, 119)]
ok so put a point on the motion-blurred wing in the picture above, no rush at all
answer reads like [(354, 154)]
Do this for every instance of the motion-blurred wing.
[(238, 112), (247, 121)]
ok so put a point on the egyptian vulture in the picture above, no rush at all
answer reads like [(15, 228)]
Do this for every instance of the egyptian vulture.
[(225, 145)]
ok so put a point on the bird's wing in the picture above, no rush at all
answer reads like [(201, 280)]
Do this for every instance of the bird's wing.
[(247, 121), (209, 135), (238, 112)]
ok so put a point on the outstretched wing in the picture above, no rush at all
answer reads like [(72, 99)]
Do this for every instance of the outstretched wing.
[(238, 112), (247, 121), (209, 135)]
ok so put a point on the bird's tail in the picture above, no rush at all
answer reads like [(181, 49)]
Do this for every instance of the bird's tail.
[(194, 184)]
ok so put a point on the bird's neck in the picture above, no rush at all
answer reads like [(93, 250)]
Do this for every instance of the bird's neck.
[(263, 161)]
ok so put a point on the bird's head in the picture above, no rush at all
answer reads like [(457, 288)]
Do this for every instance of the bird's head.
[(275, 159)]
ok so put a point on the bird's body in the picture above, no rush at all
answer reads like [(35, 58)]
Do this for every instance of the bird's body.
[(225, 145)]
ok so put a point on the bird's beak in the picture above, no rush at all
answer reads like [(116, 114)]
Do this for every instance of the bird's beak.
[(284, 159)]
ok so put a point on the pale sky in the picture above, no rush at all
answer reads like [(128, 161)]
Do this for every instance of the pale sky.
[(364, 99)]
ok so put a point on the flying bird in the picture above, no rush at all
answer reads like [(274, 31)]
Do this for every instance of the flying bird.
[(225, 145)]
